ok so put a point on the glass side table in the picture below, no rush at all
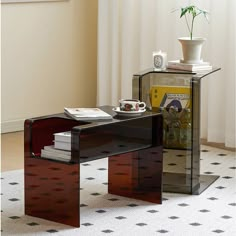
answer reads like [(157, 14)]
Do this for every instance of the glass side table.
[(177, 94)]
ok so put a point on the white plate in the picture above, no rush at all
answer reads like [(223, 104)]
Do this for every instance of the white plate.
[(127, 113)]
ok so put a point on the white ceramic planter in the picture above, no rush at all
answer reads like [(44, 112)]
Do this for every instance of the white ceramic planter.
[(191, 49)]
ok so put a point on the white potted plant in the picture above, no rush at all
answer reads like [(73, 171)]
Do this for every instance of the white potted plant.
[(192, 46)]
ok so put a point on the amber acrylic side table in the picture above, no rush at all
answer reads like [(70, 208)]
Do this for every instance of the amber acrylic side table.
[(133, 146)]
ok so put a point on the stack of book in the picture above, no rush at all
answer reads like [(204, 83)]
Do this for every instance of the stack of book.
[(61, 150), (62, 140), (178, 65)]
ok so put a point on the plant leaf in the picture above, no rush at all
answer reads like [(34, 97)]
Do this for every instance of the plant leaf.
[(183, 11)]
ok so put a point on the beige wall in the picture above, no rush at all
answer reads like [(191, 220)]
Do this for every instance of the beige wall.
[(48, 53)]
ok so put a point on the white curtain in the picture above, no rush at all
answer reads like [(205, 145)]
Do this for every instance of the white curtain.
[(130, 30)]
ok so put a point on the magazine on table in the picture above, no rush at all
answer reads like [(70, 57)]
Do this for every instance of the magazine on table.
[(87, 114)]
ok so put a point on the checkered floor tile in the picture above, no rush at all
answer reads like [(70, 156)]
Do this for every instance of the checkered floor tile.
[(211, 213)]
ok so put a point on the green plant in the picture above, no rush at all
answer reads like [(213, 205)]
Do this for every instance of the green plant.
[(193, 11)]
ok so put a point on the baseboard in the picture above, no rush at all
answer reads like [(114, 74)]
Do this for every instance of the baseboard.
[(217, 145), (12, 126)]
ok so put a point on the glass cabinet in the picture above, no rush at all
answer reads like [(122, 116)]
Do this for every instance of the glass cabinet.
[(177, 95)]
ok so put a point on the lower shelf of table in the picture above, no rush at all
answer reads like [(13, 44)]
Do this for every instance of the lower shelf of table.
[(176, 183), (206, 181)]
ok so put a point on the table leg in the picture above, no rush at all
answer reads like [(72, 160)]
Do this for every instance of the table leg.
[(137, 174), (52, 191)]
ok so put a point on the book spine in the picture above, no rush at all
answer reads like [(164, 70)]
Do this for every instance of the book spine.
[(189, 68), (179, 67), (63, 145), (52, 154)]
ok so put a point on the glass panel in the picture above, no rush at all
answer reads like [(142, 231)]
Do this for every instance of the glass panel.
[(171, 94), (51, 188), (42, 131), (137, 175), (89, 143)]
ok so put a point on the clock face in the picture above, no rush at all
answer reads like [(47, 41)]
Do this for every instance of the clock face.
[(158, 61)]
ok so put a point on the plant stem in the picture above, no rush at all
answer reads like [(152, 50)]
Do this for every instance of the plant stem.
[(187, 25), (191, 32)]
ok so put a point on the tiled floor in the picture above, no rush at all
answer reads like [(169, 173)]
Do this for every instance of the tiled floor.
[(211, 213)]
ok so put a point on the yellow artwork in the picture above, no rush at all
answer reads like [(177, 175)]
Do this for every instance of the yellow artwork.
[(170, 96), (175, 104)]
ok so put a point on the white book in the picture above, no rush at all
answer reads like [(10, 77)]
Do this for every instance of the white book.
[(87, 114), (54, 150), (50, 152), (62, 145), (54, 157), (177, 65), (63, 136), (45, 153)]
